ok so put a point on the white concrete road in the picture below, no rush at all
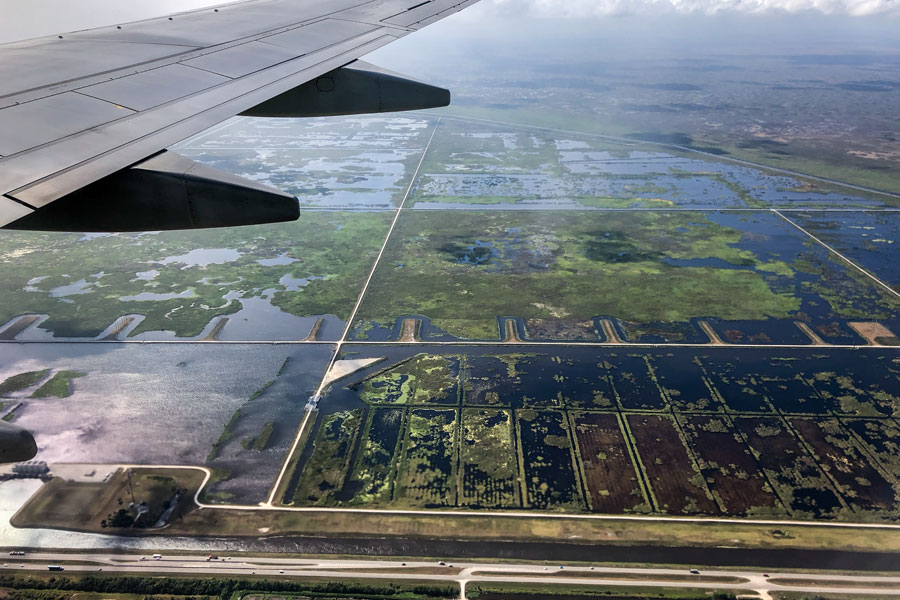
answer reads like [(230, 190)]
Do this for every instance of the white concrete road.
[(744, 583)]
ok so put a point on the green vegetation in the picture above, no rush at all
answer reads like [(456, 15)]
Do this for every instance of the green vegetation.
[(260, 441), (567, 265), (323, 474), (97, 507), (264, 387), (227, 434), (533, 591), (59, 386), (221, 587), (424, 379), (17, 383), (489, 464), (660, 432), (330, 251)]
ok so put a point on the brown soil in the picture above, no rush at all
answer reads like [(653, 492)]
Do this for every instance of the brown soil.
[(816, 340), (874, 333), (114, 334), (409, 331), (608, 471), (213, 334), (512, 333), (18, 327), (314, 332), (669, 467), (609, 331), (714, 338)]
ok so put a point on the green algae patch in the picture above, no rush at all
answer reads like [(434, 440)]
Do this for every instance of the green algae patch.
[(58, 386)]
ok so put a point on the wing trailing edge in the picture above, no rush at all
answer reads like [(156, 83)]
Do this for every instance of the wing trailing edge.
[(166, 191), (356, 88)]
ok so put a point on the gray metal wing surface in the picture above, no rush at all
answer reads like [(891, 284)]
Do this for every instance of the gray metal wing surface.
[(79, 107)]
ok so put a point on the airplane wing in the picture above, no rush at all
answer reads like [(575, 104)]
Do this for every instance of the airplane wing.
[(85, 117)]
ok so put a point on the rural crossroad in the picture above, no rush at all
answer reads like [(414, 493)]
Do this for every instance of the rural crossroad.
[(750, 583)]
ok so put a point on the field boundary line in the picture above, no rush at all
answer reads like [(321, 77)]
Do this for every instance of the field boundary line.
[(888, 288), (308, 409)]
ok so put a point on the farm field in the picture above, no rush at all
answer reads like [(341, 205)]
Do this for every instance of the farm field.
[(488, 428)]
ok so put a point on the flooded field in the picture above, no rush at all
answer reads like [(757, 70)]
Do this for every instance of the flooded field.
[(232, 408), (751, 277), (778, 433), (255, 283), (355, 162), (483, 165), (870, 239), (508, 234)]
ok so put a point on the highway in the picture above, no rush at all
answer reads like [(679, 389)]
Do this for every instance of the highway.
[(463, 574)]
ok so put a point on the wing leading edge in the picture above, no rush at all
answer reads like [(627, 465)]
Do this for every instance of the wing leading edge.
[(100, 105)]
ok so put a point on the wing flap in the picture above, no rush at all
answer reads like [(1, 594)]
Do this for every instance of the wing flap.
[(65, 104), (238, 61), (152, 88), (10, 210), (51, 118), (319, 35), (25, 67), (165, 192), (423, 11), (90, 156)]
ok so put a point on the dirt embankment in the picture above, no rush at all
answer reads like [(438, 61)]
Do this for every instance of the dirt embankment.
[(875, 333), (410, 330)]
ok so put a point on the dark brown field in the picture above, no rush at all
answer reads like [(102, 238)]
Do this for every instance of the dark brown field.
[(609, 473), (731, 471), (839, 454), (678, 487)]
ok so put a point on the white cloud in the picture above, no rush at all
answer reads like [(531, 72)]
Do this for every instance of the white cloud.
[(598, 8)]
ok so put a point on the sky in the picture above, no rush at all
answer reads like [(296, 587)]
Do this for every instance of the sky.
[(22, 19)]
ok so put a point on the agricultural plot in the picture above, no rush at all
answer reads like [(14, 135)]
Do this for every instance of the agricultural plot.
[(684, 384), (607, 467), (422, 379), (325, 470), (677, 483), (881, 437), (551, 481), (488, 460), (736, 383), (860, 481), (793, 473), (862, 390), (373, 477), (729, 468), (427, 473), (750, 276), (633, 384), (675, 431)]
